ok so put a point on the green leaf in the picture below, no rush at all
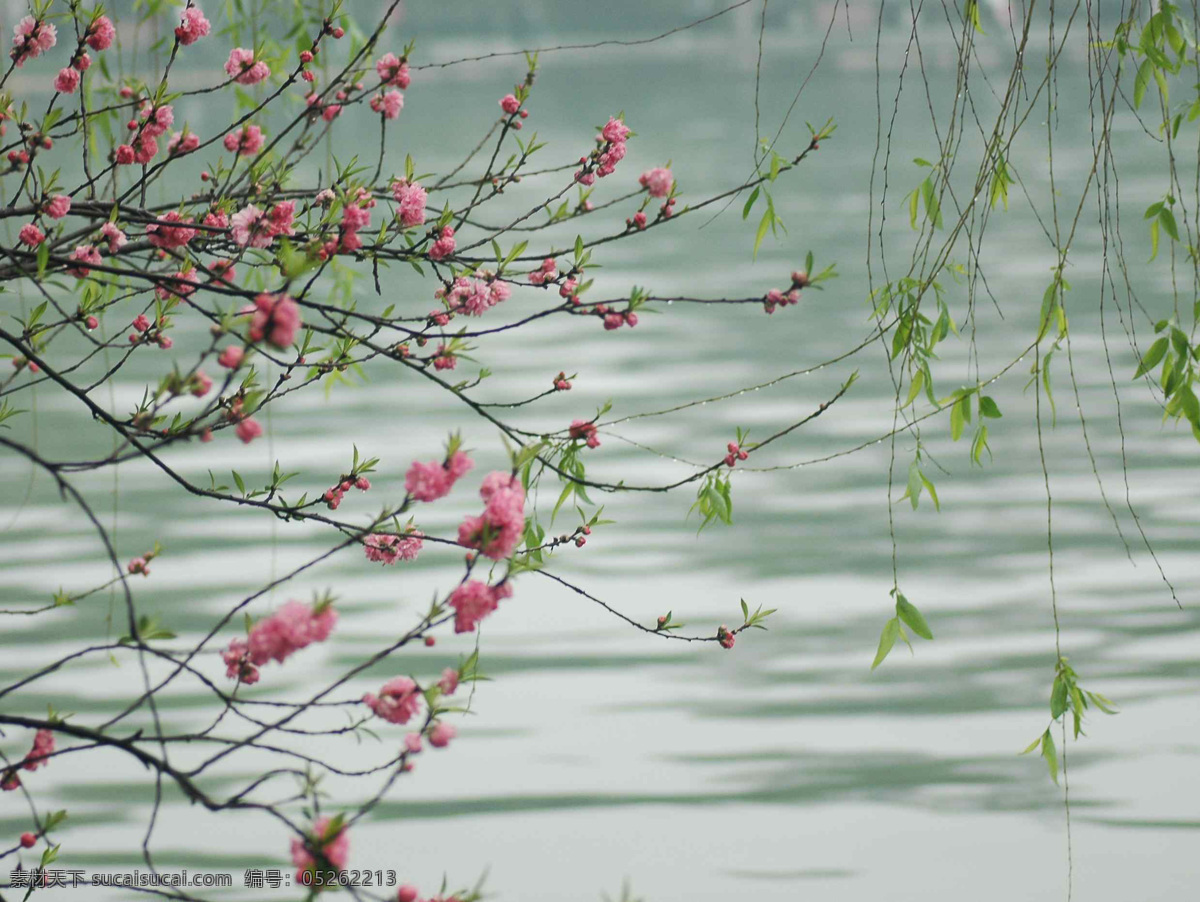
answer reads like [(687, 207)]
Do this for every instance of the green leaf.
[(1141, 82), (1058, 698), (989, 408), (891, 630), (907, 612), (1152, 357), (750, 203), (1050, 754)]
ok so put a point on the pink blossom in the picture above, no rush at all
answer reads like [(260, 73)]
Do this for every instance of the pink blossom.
[(473, 601), (615, 131), (166, 234), (331, 112), (82, 62), (244, 69), (398, 700), (231, 357), (192, 27), (246, 142), (657, 182), (156, 120), (282, 217), (144, 148), (293, 627), (141, 322), (355, 217), (201, 384), (31, 235), (58, 206), (66, 81), (276, 318), (249, 229), (388, 548), (28, 840), (444, 245), (390, 104), (101, 33), (237, 663), (498, 531), (332, 851), (183, 142), (124, 155), (509, 104), (433, 480), (32, 38), (441, 734), (248, 430), (449, 681), (84, 253), (411, 199), (181, 285), (114, 236), (43, 747), (412, 743), (393, 71), (216, 219)]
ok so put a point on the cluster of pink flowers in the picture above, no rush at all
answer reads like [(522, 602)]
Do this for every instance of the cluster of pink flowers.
[(657, 181), (170, 231), (776, 298), (192, 26), (434, 480), (411, 200), (393, 71), (498, 530), (605, 159), (67, 80), (182, 142), (444, 359), (474, 297), (31, 38), (155, 120), (84, 253), (586, 430), (243, 68), (180, 285), (43, 748), (356, 216), (388, 548), (245, 142), (293, 627), (474, 600), (613, 319), (251, 227), (561, 382), (735, 454), (389, 104), (397, 702), (333, 496), (319, 849), (444, 246), (276, 318), (547, 272)]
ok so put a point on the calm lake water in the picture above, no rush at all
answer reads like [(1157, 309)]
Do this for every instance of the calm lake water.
[(783, 769)]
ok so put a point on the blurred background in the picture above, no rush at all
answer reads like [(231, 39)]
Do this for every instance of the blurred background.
[(784, 768)]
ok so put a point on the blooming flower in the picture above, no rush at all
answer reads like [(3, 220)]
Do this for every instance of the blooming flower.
[(101, 33), (31, 38), (586, 431), (389, 104), (231, 357), (388, 548), (397, 702), (67, 80), (433, 480), (293, 627), (31, 235), (244, 69), (411, 198), (183, 142), (444, 245), (473, 601), (320, 849), (248, 430), (449, 681), (58, 206), (246, 142), (84, 253), (166, 234), (43, 747), (657, 182), (276, 318), (192, 27), (114, 236), (393, 71), (498, 531), (509, 104)]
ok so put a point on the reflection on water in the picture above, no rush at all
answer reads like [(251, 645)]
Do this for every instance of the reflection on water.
[(783, 768)]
